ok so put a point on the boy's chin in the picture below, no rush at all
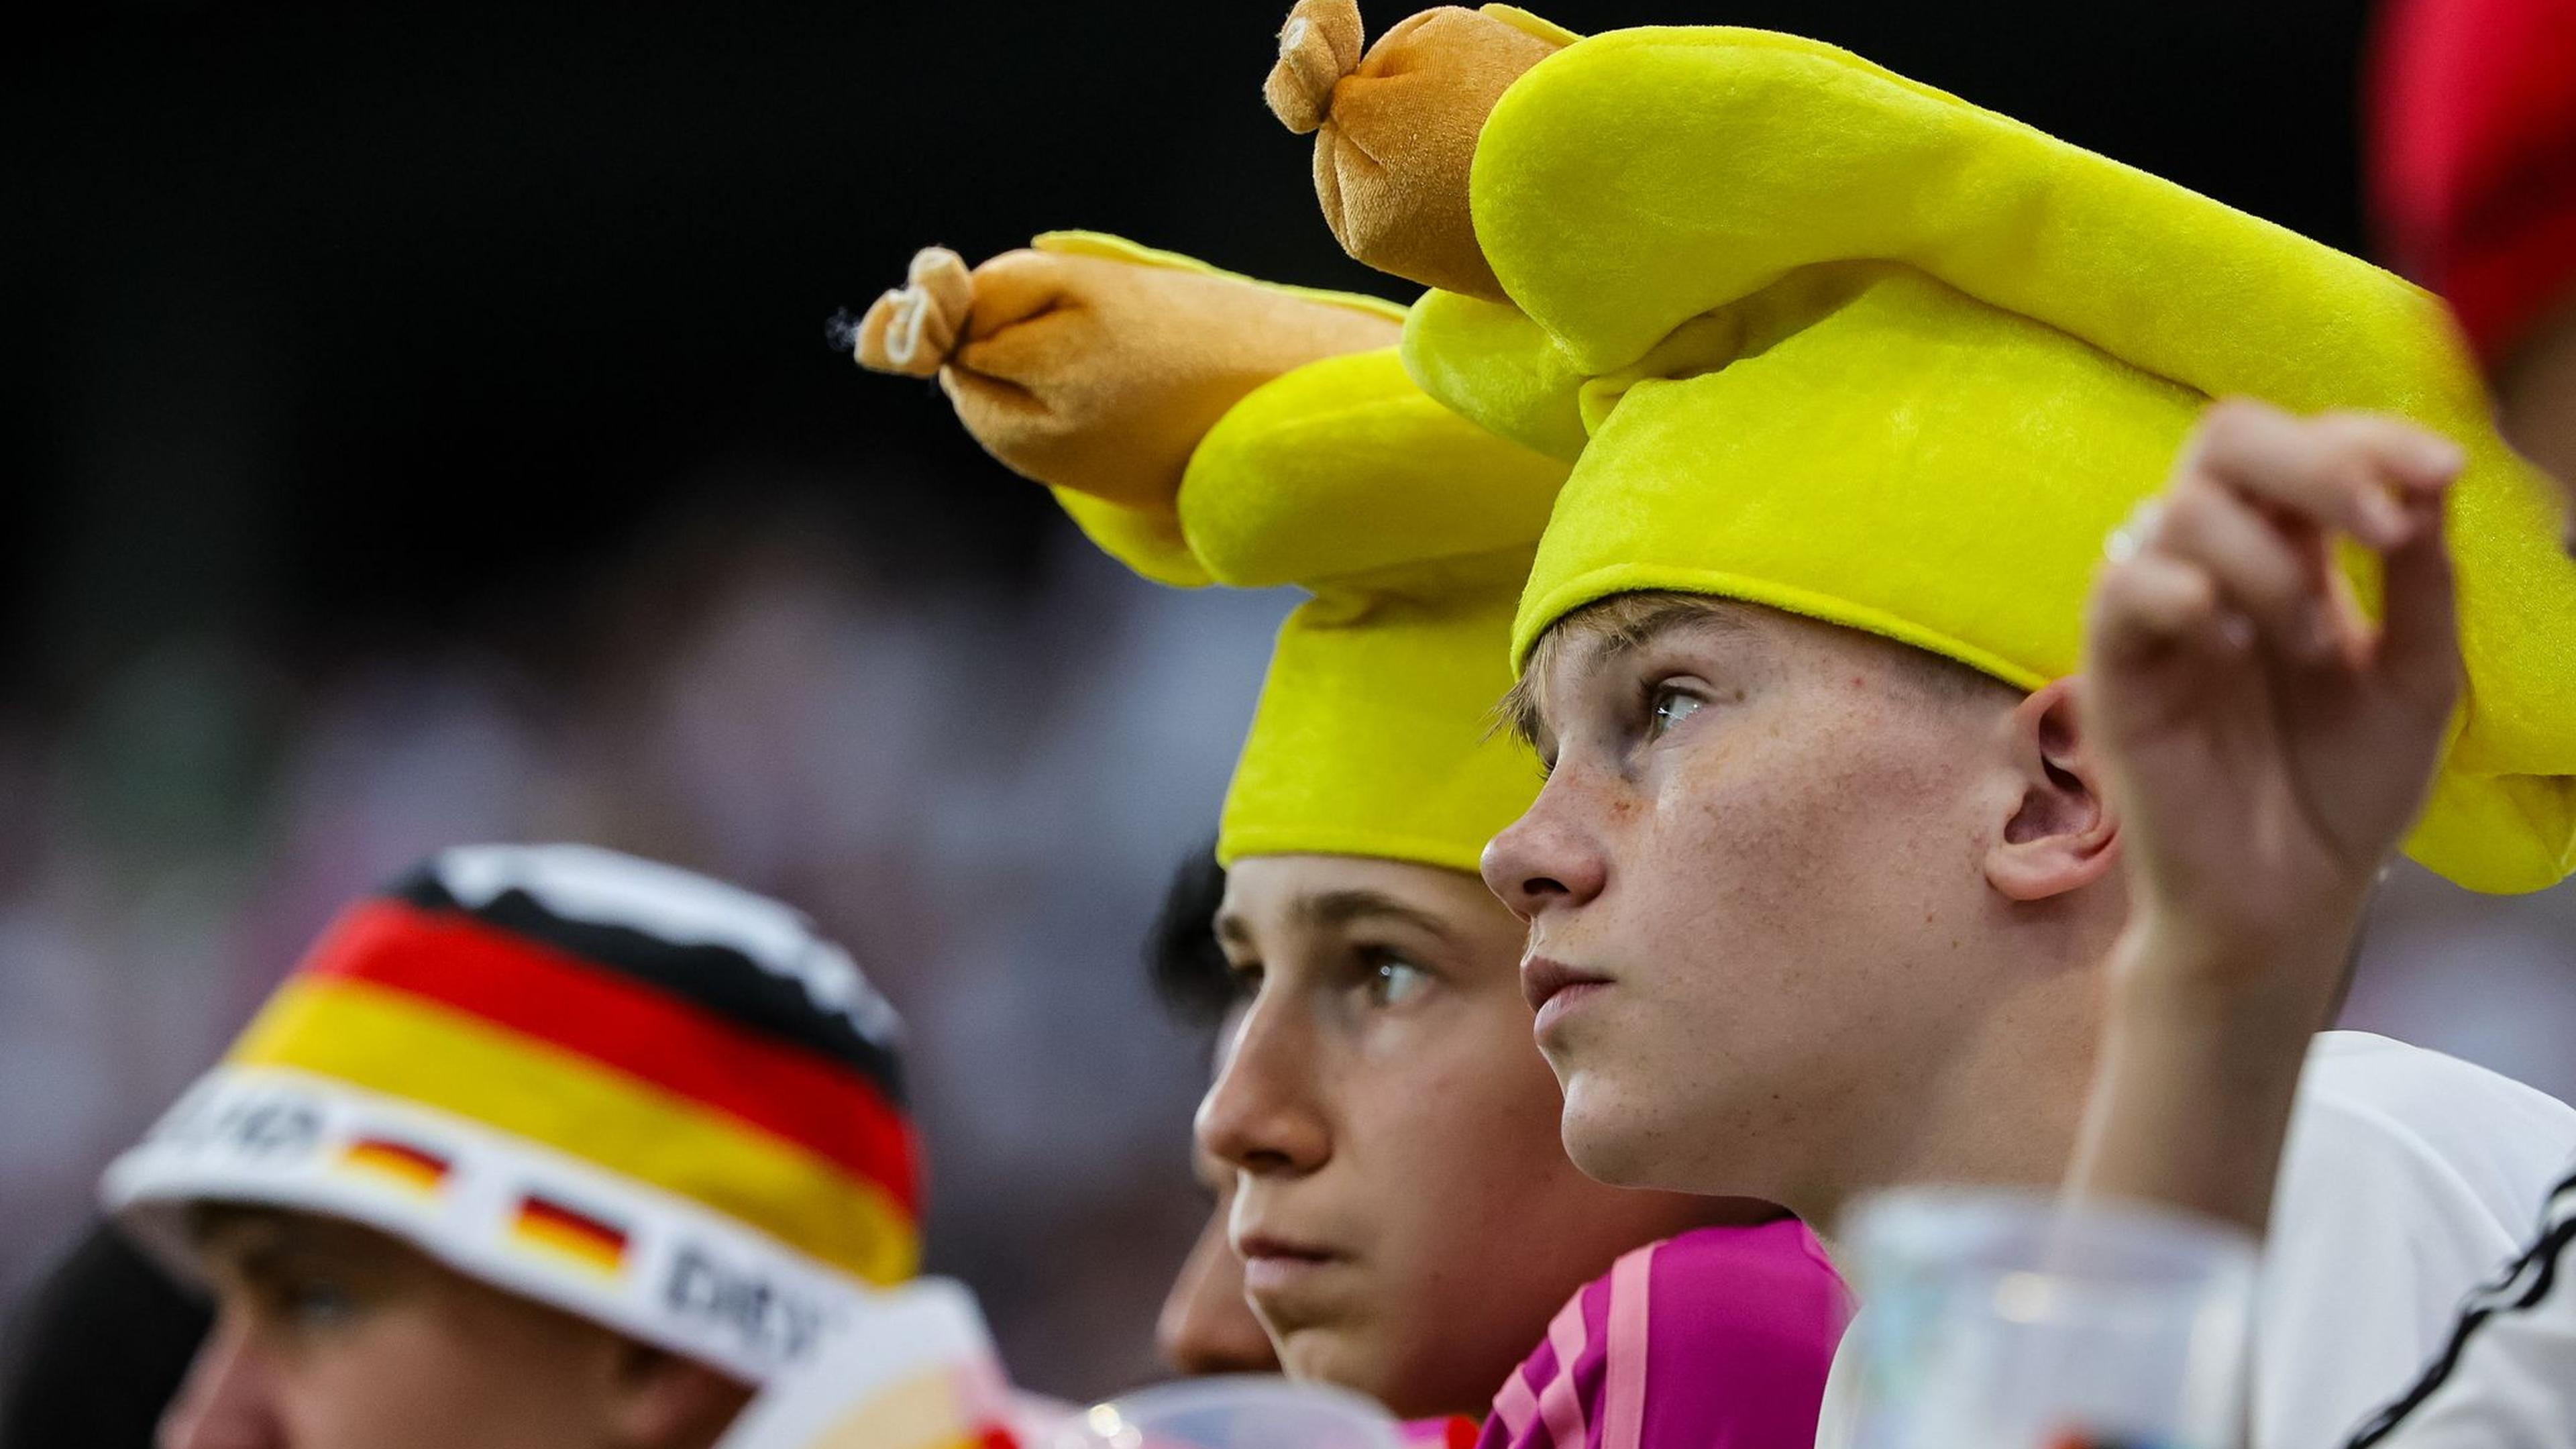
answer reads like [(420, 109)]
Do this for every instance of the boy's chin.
[(1615, 1136), (1345, 1359), (1603, 1137)]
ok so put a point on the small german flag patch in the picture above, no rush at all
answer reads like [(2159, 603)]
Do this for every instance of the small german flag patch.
[(570, 1234), (383, 1159)]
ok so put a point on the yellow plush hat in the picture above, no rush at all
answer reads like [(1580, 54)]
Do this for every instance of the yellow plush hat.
[(1206, 428), (1833, 341)]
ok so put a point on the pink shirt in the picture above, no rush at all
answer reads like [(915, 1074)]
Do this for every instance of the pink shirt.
[(1716, 1339)]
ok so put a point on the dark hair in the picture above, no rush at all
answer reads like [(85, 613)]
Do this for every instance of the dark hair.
[(1190, 973), (98, 1350)]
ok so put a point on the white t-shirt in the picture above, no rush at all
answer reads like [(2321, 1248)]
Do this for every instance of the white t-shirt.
[(2407, 1181), (2505, 1377)]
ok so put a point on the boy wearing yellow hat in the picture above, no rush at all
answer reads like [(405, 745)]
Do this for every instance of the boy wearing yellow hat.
[(543, 1146), (1408, 1222), (1855, 380)]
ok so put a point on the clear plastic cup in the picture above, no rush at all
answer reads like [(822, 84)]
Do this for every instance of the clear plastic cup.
[(1249, 1411), (2001, 1320)]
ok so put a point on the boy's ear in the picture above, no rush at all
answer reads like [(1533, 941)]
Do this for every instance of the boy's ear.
[(2062, 833), (665, 1401)]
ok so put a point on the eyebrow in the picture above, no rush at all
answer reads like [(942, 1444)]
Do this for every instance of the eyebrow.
[(236, 1231), (1607, 636), (254, 1256), (1337, 908)]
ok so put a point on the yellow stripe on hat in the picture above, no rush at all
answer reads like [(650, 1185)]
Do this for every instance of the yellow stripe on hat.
[(404, 1046)]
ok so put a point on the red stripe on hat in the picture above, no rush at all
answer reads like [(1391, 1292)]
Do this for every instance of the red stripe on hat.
[(534, 1209), (578, 1235), (568, 1003), (421, 1162)]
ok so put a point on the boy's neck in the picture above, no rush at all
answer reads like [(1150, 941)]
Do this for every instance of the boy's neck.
[(2000, 1108)]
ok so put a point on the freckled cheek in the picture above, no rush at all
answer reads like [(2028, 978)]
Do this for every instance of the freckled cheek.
[(1767, 858), (1736, 824)]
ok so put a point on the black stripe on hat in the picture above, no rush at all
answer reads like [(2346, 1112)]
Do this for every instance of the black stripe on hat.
[(716, 978)]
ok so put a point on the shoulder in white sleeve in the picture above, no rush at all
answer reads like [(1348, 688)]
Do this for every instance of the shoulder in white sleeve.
[(2407, 1182), (2507, 1373)]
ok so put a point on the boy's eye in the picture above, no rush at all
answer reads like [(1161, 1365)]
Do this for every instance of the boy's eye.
[(1392, 981), (316, 1303), (1667, 707)]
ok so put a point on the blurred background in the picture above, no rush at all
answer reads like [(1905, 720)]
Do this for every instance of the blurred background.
[(416, 427)]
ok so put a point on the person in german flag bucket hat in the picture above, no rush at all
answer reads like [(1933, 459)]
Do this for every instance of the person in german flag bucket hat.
[(541, 1145)]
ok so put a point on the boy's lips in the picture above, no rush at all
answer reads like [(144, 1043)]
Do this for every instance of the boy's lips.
[(1272, 1263), (1554, 988)]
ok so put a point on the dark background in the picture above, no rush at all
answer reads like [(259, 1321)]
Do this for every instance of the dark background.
[(415, 423), (337, 323)]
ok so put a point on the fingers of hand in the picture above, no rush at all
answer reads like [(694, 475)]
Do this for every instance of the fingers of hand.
[(2153, 604), (2346, 471), (2419, 635), (2271, 569)]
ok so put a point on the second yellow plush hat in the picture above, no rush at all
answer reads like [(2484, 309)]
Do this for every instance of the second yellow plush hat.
[(1830, 340), (1206, 428)]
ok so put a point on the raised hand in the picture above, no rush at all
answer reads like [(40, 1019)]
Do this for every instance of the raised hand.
[(2266, 743), (2267, 747)]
